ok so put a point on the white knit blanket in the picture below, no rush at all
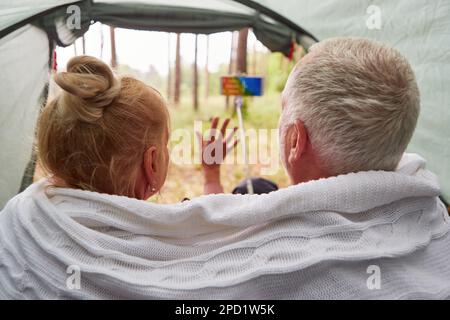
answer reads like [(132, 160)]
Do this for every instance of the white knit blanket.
[(360, 235)]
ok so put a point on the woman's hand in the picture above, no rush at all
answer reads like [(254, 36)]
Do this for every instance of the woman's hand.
[(213, 151)]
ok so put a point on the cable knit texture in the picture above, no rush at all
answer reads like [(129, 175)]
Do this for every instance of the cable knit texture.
[(312, 240)]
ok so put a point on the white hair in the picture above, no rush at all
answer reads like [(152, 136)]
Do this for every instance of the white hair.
[(359, 102)]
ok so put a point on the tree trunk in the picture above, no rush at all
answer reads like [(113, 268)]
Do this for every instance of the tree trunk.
[(102, 41), (83, 44), (169, 71), (113, 48), (231, 64), (207, 69), (177, 71), (195, 87), (241, 58), (255, 58)]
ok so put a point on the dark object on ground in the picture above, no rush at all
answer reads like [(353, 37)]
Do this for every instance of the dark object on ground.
[(260, 186)]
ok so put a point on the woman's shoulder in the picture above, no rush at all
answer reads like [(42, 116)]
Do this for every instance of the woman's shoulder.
[(26, 196)]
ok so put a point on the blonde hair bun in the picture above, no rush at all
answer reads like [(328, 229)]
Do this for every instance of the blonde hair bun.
[(93, 133), (89, 86)]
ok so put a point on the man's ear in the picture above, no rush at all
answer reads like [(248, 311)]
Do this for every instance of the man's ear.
[(298, 141), (150, 166)]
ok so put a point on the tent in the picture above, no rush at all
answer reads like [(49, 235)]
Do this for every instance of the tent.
[(29, 30)]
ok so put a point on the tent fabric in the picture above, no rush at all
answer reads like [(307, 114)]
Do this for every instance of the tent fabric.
[(156, 16), (171, 16), (16, 11), (24, 58), (197, 20)]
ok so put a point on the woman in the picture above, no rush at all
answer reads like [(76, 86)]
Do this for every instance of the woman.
[(109, 135)]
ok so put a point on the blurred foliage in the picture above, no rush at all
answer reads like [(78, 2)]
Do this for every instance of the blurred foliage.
[(274, 67)]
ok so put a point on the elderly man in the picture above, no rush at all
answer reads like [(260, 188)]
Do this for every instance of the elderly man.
[(361, 220), (350, 105)]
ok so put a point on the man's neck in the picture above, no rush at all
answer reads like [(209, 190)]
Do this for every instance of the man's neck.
[(309, 174), (308, 179)]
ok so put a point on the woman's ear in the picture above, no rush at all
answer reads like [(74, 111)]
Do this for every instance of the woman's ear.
[(150, 167), (297, 141)]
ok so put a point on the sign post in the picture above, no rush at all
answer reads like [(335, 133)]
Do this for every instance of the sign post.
[(240, 87)]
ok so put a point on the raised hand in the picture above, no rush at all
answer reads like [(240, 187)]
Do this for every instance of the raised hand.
[(213, 150)]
